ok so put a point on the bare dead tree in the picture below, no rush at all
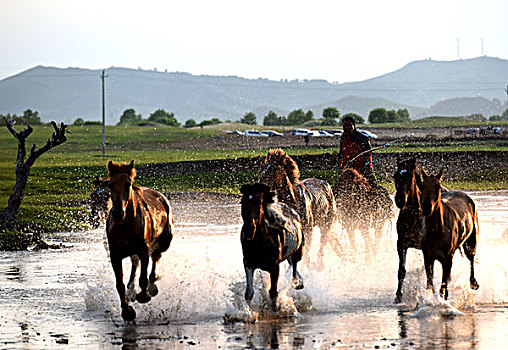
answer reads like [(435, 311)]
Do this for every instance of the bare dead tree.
[(9, 218)]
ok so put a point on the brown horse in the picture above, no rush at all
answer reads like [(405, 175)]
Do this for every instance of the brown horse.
[(139, 223), (312, 198), (271, 233), (451, 223), (410, 221), (361, 206)]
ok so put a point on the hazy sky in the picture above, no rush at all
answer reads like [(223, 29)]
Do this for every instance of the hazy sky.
[(333, 40)]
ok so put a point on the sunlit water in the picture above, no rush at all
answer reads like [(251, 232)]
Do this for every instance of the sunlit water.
[(67, 296)]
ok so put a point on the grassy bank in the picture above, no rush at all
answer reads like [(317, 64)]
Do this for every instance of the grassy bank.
[(62, 179)]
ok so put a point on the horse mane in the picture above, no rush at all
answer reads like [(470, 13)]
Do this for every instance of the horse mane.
[(292, 171), (124, 168)]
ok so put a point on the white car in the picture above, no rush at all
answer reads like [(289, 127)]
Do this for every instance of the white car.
[(367, 133), (255, 133), (325, 133), (272, 133), (305, 132)]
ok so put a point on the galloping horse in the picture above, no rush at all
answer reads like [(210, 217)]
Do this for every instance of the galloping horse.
[(139, 223), (361, 206), (451, 222), (271, 233), (410, 221), (312, 198), (99, 201)]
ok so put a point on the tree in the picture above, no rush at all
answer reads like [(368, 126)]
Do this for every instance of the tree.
[(404, 115), (129, 117), (298, 117), (9, 218), (163, 117), (329, 122), (358, 118), (190, 123), (273, 119), (331, 113), (392, 117), (29, 117), (78, 121), (377, 115), (249, 118)]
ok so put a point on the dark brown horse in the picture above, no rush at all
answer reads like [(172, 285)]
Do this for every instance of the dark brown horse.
[(99, 199), (410, 221), (451, 223), (140, 223), (271, 233), (312, 198), (360, 206)]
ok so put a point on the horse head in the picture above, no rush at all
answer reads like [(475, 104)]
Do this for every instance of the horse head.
[(120, 184), (431, 192), (279, 167), (406, 181), (254, 198)]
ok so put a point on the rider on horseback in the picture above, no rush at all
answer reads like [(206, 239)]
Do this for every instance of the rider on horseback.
[(354, 151)]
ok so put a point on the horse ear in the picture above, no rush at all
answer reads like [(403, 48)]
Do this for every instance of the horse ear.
[(131, 164), (111, 165), (440, 174)]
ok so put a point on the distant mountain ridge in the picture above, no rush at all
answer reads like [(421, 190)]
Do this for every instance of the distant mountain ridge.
[(427, 87)]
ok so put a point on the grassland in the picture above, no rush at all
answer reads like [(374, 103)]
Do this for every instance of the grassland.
[(61, 180)]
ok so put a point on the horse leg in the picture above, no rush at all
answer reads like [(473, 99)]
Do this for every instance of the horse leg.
[(274, 280), (128, 313), (249, 289), (470, 250), (152, 288), (447, 269), (131, 290), (429, 271), (297, 278), (402, 251), (143, 297)]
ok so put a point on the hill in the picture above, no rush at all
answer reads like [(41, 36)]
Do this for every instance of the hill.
[(66, 94)]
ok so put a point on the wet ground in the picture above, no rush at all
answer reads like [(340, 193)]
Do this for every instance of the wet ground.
[(49, 299)]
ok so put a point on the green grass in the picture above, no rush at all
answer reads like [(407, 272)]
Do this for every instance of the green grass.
[(62, 178)]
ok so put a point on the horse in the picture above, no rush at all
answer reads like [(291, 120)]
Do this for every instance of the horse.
[(271, 233), (451, 223), (140, 223), (361, 206), (99, 199), (312, 198), (408, 181)]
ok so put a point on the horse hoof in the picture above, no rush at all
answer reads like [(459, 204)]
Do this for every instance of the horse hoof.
[(128, 314), (474, 285), (297, 284), (143, 298), (153, 290)]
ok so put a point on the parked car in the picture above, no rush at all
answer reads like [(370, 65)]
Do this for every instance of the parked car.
[(335, 132), (369, 134), (497, 130), (255, 133), (325, 133), (272, 133), (305, 132)]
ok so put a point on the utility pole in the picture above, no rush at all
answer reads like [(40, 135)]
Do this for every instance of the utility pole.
[(506, 90), (103, 78)]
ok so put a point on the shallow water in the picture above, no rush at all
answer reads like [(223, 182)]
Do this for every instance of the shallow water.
[(67, 296)]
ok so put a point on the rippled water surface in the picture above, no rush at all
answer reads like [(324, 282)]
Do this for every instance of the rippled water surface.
[(67, 296)]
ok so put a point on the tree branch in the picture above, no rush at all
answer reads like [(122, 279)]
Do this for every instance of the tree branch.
[(57, 138)]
